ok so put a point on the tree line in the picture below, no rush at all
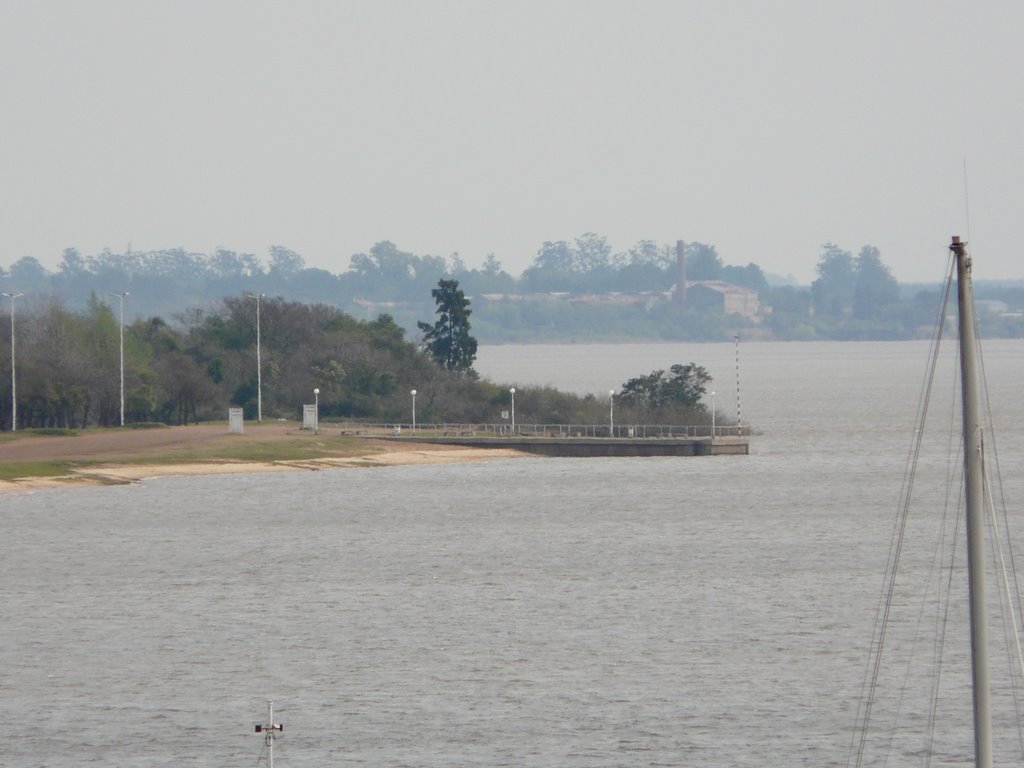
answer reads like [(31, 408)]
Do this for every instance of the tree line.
[(853, 297), (165, 280), (68, 365)]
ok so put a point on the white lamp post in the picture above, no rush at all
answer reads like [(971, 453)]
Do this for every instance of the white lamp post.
[(316, 410), (14, 381), (611, 413), (712, 415), (259, 365), (121, 297), (512, 392), (413, 393)]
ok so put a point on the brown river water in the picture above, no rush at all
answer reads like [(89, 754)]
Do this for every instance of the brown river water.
[(711, 611)]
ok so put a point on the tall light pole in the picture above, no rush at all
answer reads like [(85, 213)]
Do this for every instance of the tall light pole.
[(611, 413), (259, 364), (712, 415), (14, 381), (413, 393), (512, 392), (316, 410), (121, 297)]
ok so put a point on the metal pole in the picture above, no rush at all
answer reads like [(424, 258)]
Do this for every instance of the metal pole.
[(512, 391), (122, 359), (611, 413), (14, 380), (259, 369), (974, 495), (712, 415), (413, 393), (259, 364), (121, 297)]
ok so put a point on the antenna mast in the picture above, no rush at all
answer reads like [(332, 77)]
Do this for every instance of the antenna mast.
[(270, 729)]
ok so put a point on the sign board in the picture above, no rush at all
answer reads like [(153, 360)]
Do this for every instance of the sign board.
[(309, 416), (235, 421), (504, 415)]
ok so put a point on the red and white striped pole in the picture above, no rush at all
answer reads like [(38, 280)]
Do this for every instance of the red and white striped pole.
[(739, 419)]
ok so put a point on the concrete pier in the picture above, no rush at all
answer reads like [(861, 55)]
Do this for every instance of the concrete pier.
[(567, 447)]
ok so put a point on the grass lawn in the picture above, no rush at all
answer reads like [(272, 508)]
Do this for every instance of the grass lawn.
[(50, 453)]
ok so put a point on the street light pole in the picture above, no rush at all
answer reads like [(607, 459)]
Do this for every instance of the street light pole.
[(512, 391), (712, 415), (316, 411), (611, 413), (259, 364), (413, 393), (121, 297), (14, 380)]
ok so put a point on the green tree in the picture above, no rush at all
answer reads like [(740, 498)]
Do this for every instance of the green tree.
[(648, 252), (876, 289), (749, 276), (448, 339), (685, 387), (702, 262), (284, 262), (833, 291), (555, 257), (592, 253), (72, 263), (28, 275), (492, 266)]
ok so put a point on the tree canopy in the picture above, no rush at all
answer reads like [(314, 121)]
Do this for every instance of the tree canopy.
[(575, 289), (684, 387), (448, 339), (193, 369)]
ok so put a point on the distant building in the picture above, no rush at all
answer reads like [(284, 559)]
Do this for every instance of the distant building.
[(700, 294), (732, 299)]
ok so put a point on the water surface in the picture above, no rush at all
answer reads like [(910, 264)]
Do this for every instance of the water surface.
[(708, 611)]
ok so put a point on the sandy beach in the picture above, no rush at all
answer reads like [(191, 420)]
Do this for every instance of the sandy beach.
[(108, 457)]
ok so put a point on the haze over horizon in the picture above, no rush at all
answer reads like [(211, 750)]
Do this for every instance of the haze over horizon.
[(765, 129)]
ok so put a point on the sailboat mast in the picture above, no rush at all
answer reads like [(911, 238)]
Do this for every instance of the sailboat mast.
[(974, 489), (270, 729)]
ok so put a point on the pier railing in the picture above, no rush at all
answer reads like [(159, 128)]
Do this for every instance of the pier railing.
[(619, 431)]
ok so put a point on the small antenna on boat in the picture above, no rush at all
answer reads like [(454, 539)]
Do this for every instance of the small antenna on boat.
[(270, 729)]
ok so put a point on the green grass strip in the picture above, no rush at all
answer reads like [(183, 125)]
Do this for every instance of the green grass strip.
[(14, 470)]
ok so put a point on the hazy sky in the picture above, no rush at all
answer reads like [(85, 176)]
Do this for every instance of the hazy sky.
[(764, 128)]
